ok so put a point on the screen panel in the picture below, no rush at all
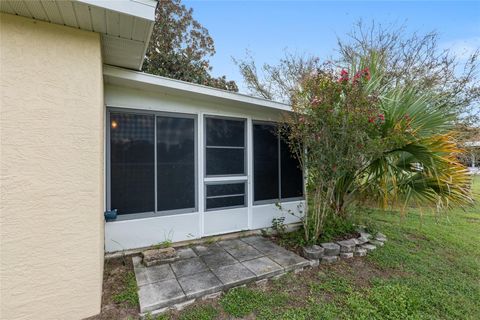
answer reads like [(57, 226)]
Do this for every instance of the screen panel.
[(225, 132), (221, 161), (291, 173), (224, 195), (175, 163), (265, 162), (223, 189), (216, 203), (132, 156)]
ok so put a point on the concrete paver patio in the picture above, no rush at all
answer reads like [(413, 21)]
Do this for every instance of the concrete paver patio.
[(206, 269)]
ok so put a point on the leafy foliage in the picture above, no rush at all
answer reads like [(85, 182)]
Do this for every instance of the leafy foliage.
[(180, 46), (361, 139)]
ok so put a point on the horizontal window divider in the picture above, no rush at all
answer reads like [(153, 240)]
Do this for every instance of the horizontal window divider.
[(152, 214), (225, 179), (224, 147), (225, 208), (227, 196)]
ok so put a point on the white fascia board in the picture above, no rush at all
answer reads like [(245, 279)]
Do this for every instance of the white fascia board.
[(144, 9), (149, 82)]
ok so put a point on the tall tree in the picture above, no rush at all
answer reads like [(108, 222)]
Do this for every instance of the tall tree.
[(180, 47), (411, 59)]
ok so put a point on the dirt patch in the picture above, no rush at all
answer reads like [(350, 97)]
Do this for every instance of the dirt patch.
[(114, 274)]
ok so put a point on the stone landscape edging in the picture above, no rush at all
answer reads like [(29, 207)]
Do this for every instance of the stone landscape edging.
[(331, 252)]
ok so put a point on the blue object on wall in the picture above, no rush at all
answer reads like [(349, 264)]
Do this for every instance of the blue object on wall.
[(110, 215)]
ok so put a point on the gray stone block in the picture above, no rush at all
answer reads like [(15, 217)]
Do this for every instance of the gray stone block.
[(252, 239), (204, 249), (313, 252), (365, 235), (188, 267), (377, 243), (153, 257), (217, 260), (263, 267), (359, 252), (346, 255), (347, 245), (186, 253), (368, 247), (314, 262), (200, 284), (331, 249), (244, 252), (380, 237), (289, 260), (329, 259), (158, 273), (160, 294), (137, 262), (361, 240), (145, 275), (234, 275), (265, 246), (232, 244)]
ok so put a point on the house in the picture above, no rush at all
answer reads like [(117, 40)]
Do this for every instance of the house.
[(83, 132)]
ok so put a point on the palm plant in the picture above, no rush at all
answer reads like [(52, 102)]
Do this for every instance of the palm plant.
[(421, 166), (419, 163)]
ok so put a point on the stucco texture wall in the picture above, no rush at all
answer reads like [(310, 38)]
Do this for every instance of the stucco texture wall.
[(51, 157)]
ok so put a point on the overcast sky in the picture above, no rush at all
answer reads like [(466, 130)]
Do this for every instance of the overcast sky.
[(266, 28)]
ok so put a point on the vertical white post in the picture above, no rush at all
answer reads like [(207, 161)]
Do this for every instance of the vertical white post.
[(201, 174), (250, 171), (473, 159)]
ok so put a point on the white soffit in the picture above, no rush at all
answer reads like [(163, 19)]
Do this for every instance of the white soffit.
[(152, 83), (125, 25)]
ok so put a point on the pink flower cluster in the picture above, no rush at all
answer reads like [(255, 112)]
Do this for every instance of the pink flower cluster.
[(343, 76), (362, 74), (379, 119), (315, 101)]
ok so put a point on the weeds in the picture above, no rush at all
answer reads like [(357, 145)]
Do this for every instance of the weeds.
[(129, 293)]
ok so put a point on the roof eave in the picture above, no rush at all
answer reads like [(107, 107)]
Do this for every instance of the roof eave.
[(149, 82)]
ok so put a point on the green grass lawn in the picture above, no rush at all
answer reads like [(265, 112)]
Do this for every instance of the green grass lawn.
[(428, 269)]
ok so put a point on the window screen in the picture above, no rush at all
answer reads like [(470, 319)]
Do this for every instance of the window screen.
[(276, 172), (225, 146), (291, 173), (265, 162), (132, 156), (223, 195), (175, 163)]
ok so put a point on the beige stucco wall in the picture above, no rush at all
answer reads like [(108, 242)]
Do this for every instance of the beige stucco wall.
[(51, 158)]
